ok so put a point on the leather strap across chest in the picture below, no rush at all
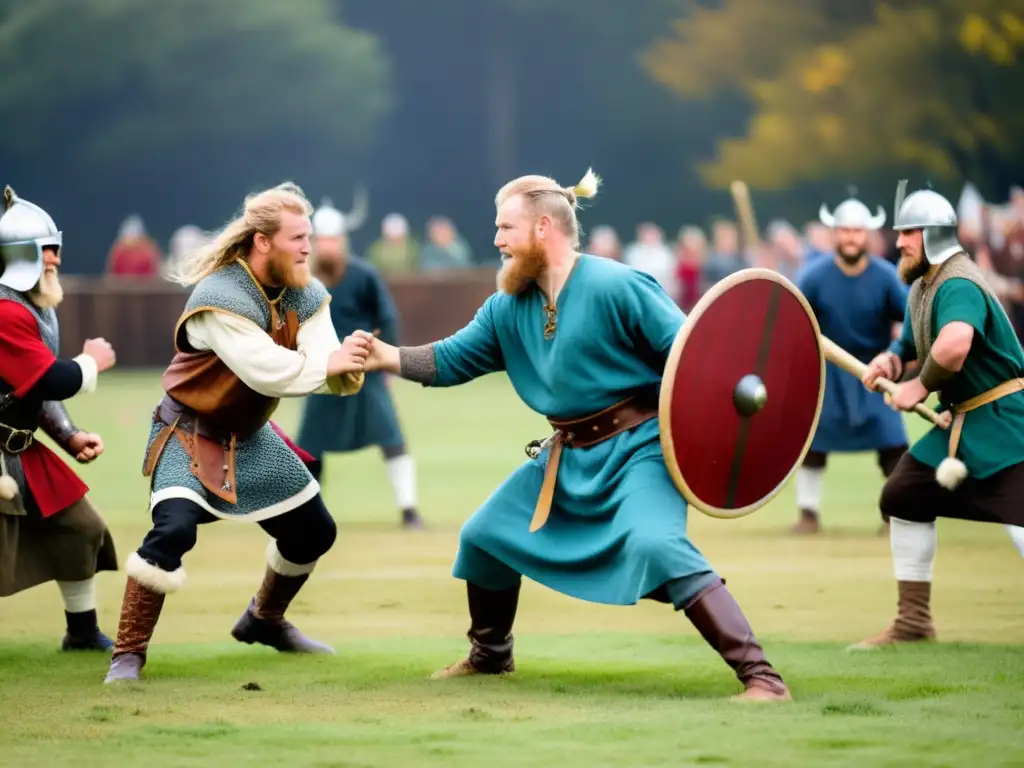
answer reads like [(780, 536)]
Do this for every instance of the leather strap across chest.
[(584, 433)]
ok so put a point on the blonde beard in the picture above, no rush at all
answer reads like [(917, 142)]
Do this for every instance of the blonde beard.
[(48, 292), (283, 271)]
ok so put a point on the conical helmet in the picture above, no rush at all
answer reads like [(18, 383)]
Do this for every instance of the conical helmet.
[(25, 229), (927, 210)]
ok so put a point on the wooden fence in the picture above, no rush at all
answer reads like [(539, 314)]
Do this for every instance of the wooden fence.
[(138, 316)]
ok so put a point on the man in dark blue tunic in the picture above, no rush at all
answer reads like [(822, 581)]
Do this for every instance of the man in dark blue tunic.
[(359, 299), (858, 300)]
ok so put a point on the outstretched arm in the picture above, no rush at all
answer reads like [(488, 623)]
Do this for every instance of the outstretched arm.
[(470, 353), (268, 368)]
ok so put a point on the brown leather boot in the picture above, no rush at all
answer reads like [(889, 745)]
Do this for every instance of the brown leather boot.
[(913, 623), (139, 613), (720, 621), (809, 523), (491, 614), (263, 621)]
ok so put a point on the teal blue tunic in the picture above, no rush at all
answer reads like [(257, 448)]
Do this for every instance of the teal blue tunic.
[(617, 529)]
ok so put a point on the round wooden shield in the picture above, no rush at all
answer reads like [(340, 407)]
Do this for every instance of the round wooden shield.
[(741, 393)]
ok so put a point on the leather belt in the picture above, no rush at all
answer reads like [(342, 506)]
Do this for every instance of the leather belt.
[(960, 410), (15, 441), (584, 433), (170, 410), (210, 448)]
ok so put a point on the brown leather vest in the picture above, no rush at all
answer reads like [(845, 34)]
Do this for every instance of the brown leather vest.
[(201, 382)]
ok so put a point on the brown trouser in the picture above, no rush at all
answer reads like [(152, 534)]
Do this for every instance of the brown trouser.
[(888, 458), (72, 545), (912, 493)]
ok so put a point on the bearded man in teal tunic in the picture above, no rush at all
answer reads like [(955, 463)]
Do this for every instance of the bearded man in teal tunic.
[(593, 514), (957, 331)]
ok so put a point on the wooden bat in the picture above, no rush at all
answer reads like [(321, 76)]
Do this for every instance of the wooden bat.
[(836, 354)]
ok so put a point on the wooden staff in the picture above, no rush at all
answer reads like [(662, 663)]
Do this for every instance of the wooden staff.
[(745, 213), (836, 354)]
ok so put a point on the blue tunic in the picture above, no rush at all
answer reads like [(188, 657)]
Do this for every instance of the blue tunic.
[(858, 314), (360, 300), (617, 528)]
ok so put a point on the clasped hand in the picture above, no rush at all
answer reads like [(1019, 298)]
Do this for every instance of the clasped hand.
[(351, 356)]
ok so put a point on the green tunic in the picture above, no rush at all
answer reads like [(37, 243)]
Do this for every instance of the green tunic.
[(993, 435), (617, 529)]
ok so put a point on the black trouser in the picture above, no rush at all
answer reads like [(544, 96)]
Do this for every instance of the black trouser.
[(303, 535), (912, 493)]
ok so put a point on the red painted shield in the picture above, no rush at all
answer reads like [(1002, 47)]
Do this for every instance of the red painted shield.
[(725, 456)]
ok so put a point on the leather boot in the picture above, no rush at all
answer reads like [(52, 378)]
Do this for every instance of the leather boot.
[(913, 621), (720, 621), (412, 520), (809, 523), (263, 621), (491, 614), (139, 613), (84, 633)]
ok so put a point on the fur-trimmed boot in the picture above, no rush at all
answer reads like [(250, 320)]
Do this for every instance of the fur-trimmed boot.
[(913, 623), (263, 621), (718, 618), (491, 615), (144, 594)]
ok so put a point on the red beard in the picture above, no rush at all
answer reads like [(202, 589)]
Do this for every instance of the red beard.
[(516, 274)]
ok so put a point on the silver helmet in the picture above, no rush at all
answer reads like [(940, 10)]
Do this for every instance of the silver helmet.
[(929, 211), (851, 214), (25, 230), (328, 221)]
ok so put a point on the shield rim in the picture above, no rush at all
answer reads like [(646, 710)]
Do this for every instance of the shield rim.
[(668, 381)]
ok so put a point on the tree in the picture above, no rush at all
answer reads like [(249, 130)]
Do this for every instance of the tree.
[(130, 96), (919, 85)]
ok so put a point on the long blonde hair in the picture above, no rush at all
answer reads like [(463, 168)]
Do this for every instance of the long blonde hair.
[(547, 197), (260, 213)]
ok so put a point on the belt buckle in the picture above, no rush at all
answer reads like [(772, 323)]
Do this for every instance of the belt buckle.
[(26, 441)]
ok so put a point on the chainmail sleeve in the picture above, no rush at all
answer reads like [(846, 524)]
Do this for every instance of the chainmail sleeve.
[(56, 422), (417, 364)]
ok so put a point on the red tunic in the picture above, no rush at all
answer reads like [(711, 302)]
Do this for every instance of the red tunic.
[(24, 358)]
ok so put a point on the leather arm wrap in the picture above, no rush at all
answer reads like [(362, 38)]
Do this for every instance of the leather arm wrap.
[(933, 375), (417, 364), (56, 422)]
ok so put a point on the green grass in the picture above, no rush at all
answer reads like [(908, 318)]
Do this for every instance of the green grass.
[(595, 685)]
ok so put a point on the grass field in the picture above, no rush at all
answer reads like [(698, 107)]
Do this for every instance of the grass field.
[(595, 685)]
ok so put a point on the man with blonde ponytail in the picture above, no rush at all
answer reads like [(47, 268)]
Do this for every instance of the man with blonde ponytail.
[(255, 329), (593, 514)]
